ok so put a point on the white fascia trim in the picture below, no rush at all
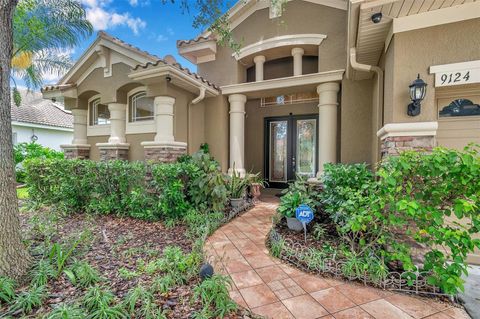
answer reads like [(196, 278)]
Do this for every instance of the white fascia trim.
[(281, 41), (164, 70), (337, 4), (47, 127), (292, 81), (408, 129), (455, 66), (457, 13)]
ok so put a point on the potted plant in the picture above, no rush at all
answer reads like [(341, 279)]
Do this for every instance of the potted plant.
[(256, 183), (288, 205), (237, 187)]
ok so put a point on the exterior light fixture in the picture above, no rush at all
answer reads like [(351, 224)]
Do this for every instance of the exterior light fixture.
[(377, 17), (418, 89)]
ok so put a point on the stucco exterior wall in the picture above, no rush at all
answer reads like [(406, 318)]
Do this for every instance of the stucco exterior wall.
[(94, 151), (254, 128), (356, 121), (217, 128), (414, 52), (196, 127), (136, 151), (314, 18)]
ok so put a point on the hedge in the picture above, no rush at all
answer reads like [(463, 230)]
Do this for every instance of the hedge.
[(136, 189)]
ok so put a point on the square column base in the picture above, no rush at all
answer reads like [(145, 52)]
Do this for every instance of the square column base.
[(113, 151), (394, 145), (76, 151), (164, 152)]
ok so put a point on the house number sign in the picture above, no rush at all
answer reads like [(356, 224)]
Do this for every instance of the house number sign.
[(456, 73)]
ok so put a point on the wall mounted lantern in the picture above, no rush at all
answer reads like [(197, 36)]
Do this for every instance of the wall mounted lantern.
[(418, 89)]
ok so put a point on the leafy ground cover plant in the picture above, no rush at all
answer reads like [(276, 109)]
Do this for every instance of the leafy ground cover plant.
[(372, 219), (298, 192), (213, 292)]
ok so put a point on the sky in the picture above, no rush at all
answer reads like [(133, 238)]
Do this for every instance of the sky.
[(147, 24)]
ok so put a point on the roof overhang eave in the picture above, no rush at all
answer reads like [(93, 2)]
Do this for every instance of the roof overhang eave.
[(177, 77)]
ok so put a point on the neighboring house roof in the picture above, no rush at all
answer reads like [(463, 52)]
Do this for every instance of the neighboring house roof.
[(36, 110)]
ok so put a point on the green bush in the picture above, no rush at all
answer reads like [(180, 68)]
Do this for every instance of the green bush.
[(125, 188), (433, 199), (298, 192), (26, 151)]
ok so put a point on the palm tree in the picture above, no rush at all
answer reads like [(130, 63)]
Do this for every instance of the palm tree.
[(43, 29), (30, 36)]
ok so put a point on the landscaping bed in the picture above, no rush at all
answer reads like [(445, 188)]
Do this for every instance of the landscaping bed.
[(122, 240), (408, 226)]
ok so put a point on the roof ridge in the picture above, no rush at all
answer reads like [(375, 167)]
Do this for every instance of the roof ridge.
[(104, 34)]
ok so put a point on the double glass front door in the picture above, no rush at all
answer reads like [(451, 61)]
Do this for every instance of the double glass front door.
[(291, 148)]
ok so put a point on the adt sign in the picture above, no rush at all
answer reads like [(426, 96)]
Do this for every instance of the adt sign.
[(304, 214)]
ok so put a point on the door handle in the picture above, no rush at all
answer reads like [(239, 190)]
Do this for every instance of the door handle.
[(294, 163)]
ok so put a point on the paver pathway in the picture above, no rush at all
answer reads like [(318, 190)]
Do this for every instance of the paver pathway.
[(275, 290)]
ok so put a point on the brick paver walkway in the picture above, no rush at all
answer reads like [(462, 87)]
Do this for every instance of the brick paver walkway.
[(274, 290)]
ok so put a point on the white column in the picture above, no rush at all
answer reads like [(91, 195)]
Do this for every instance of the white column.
[(117, 123), (297, 54), (259, 60), (79, 126), (164, 118), (237, 133), (327, 126)]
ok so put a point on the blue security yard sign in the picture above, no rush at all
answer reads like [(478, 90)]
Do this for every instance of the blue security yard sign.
[(304, 214)]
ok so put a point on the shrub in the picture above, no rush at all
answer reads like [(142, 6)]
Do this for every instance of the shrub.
[(27, 151), (298, 192), (433, 199)]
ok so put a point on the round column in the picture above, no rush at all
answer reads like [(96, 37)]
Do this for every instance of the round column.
[(297, 54), (237, 133), (164, 118), (79, 126), (259, 60), (327, 126), (117, 123)]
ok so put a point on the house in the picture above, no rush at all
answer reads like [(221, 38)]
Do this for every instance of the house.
[(42, 121), (318, 81)]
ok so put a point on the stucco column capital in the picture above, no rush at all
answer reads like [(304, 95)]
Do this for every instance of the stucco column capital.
[(164, 100), (237, 98), (259, 59), (116, 107), (298, 51), (330, 86)]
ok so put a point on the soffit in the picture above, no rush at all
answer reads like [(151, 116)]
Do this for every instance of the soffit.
[(372, 38)]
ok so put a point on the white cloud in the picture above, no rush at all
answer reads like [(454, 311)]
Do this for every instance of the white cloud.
[(142, 3), (170, 31), (103, 18), (161, 38)]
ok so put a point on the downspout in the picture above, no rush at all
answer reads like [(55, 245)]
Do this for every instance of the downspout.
[(379, 83), (196, 100)]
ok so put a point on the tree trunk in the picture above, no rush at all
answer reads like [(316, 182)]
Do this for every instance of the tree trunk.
[(14, 257)]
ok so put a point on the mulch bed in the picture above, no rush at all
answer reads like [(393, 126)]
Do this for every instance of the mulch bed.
[(117, 243)]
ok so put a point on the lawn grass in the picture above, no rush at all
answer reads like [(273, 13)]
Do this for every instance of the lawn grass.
[(22, 193)]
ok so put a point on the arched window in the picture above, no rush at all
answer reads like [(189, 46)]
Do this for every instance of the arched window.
[(460, 107), (140, 107), (99, 113)]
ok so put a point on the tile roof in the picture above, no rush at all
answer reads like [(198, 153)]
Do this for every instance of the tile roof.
[(198, 39), (179, 67), (36, 110), (103, 34)]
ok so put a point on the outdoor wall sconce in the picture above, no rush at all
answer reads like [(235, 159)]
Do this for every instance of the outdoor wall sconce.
[(418, 89)]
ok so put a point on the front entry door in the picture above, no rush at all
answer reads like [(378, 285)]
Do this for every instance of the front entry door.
[(290, 148)]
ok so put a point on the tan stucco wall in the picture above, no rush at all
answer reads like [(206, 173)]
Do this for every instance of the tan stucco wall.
[(414, 52), (356, 121), (217, 128), (196, 127), (299, 17), (136, 151), (108, 87), (94, 151), (254, 129)]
